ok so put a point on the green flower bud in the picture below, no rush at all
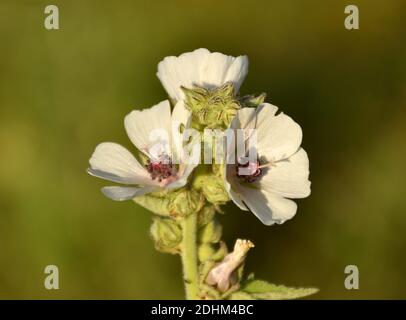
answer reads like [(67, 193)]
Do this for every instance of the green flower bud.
[(221, 252), (206, 214), (213, 108), (211, 232), (205, 252), (213, 189), (158, 203), (212, 252), (167, 235), (185, 202)]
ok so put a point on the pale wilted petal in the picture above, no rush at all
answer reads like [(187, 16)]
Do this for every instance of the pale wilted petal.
[(223, 275)]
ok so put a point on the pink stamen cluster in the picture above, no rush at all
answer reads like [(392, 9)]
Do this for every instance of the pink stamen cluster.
[(160, 169)]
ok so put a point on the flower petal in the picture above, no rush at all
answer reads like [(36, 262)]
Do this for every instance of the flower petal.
[(201, 68), (268, 207), (235, 197), (186, 167), (230, 182), (289, 177), (113, 162), (125, 193), (245, 120), (150, 129), (181, 118), (278, 136)]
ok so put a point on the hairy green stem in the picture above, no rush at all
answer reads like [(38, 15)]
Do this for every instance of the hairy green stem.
[(189, 256)]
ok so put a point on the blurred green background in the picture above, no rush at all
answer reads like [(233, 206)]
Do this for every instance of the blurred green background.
[(64, 91)]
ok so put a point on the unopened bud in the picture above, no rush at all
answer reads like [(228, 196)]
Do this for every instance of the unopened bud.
[(206, 214), (213, 108), (211, 232), (214, 190), (186, 202), (167, 235)]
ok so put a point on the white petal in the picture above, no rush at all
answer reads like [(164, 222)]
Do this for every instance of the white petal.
[(180, 114), (113, 162), (235, 197), (182, 177), (246, 118), (289, 177), (185, 169), (181, 118), (150, 129), (278, 136), (229, 170), (201, 68), (125, 193), (189, 159), (269, 208)]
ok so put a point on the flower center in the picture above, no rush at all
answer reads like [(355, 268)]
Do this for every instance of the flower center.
[(160, 169), (248, 172)]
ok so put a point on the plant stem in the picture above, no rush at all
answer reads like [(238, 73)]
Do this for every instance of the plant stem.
[(189, 256)]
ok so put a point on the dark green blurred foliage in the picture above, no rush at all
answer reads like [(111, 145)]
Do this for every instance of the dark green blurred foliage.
[(64, 91)]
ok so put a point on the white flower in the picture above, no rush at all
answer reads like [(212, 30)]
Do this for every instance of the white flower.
[(201, 68), (153, 131), (282, 169)]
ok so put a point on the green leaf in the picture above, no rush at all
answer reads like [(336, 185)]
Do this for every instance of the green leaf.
[(240, 295), (263, 290)]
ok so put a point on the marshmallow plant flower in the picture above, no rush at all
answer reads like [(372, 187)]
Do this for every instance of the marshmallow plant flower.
[(113, 162), (185, 194), (280, 170)]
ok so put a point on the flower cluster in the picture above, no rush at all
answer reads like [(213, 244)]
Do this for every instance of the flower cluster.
[(167, 175)]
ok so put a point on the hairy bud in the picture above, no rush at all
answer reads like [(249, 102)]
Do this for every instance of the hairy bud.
[(213, 108), (167, 235), (185, 202), (211, 232), (212, 187)]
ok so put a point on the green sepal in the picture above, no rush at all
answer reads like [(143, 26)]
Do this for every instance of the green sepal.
[(212, 108), (158, 203), (252, 101)]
